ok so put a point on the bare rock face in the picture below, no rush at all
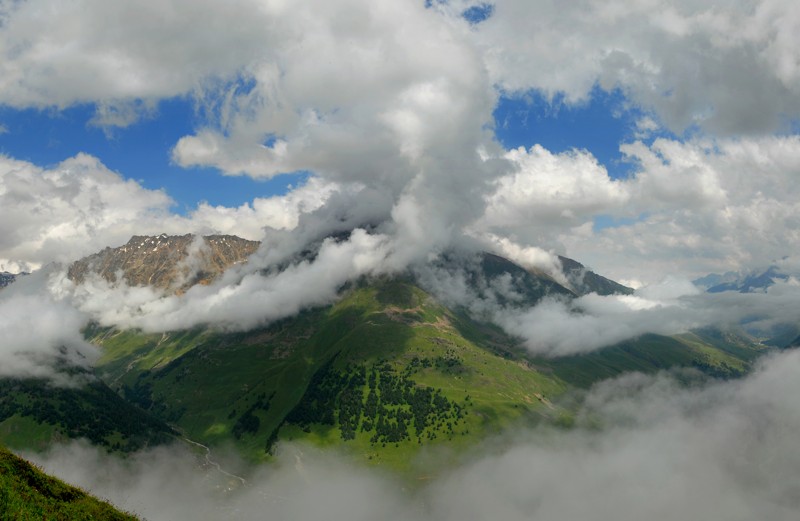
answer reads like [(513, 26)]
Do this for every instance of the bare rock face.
[(172, 262)]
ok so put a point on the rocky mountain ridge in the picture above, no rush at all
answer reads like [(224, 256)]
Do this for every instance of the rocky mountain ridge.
[(173, 262), (584, 281), (6, 278), (179, 262), (750, 282)]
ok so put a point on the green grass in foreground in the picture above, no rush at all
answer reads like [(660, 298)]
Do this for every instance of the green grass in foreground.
[(26, 493)]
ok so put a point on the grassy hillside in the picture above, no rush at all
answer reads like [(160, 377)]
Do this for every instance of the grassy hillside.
[(387, 364), (28, 494), (652, 353), (383, 373)]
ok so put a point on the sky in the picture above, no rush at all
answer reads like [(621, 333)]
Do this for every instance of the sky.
[(643, 138), (653, 141)]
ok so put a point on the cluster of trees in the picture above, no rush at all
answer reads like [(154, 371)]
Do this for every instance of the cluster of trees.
[(93, 412), (722, 371), (395, 408), (319, 402), (249, 422), (449, 362)]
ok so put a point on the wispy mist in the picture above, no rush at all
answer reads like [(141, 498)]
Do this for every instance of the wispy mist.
[(40, 331), (643, 447)]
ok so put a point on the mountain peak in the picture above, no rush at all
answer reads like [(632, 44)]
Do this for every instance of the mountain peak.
[(743, 282), (584, 281), (174, 262)]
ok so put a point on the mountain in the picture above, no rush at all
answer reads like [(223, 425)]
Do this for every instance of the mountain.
[(165, 262), (385, 372), (382, 373), (532, 285), (6, 278), (756, 281), (747, 282), (173, 262), (34, 414), (585, 281), (28, 493), (715, 279), (713, 352)]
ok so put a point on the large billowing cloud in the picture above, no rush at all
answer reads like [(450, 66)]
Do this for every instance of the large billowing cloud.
[(705, 205), (691, 62), (351, 89), (389, 105), (68, 211), (280, 212), (115, 54), (392, 97), (548, 194), (728, 68), (688, 207), (79, 207), (40, 332), (244, 298), (397, 98), (642, 448)]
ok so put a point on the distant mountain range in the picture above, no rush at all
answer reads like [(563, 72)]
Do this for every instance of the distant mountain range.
[(743, 282), (755, 281), (180, 261), (384, 372)]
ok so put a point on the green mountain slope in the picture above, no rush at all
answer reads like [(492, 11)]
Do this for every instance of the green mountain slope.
[(652, 353), (33, 414), (386, 372), (383, 373), (385, 368), (26, 493)]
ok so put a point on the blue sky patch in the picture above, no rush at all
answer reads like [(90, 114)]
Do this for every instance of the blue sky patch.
[(141, 152), (599, 126), (478, 13)]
